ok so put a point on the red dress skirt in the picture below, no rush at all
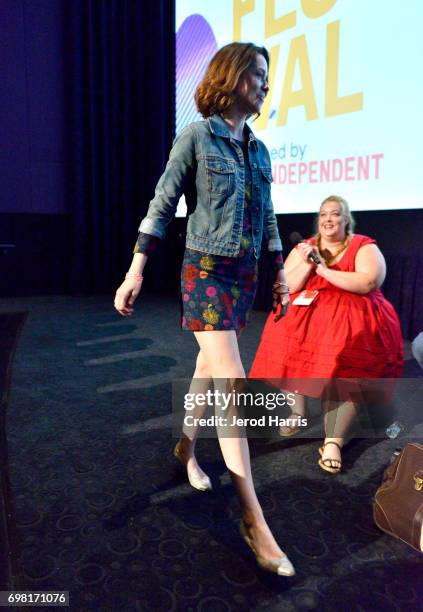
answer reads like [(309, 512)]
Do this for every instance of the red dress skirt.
[(339, 335)]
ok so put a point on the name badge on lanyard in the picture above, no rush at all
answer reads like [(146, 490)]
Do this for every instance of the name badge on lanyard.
[(305, 298)]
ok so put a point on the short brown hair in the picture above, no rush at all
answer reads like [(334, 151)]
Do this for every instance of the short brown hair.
[(216, 91)]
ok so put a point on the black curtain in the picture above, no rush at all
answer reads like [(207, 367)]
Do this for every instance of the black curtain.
[(120, 92), (404, 288)]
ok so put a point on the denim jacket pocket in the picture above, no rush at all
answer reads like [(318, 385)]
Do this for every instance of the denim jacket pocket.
[(220, 174)]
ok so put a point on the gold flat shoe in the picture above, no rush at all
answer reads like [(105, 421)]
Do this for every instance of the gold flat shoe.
[(288, 431), (281, 566), (200, 483)]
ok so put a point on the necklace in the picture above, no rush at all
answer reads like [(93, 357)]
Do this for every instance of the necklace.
[(327, 255)]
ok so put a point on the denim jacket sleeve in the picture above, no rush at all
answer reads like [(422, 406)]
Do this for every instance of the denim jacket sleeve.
[(171, 184), (271, 228), (270, 224)]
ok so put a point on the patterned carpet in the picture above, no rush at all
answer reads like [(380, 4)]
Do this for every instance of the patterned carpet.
[(105, 512)]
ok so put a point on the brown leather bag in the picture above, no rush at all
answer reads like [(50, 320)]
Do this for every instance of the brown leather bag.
[(398, 503)]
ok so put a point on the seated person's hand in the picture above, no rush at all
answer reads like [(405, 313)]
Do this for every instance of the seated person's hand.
[(304, 249)]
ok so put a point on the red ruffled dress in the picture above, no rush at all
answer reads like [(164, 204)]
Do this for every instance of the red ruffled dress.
[(339, 335)]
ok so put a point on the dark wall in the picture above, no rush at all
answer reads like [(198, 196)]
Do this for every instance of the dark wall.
[(37, 263), (32, 100), (33, 202)]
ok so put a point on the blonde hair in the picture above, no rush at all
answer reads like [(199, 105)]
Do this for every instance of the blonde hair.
[(216, 91), (346, 213)]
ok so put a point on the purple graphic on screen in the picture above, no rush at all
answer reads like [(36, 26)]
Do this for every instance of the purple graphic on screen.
[(195, 46)]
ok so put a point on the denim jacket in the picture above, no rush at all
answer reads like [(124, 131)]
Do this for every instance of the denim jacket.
[(207, 165)]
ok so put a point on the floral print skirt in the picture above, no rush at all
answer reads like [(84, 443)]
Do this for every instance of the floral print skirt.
[(217, 292)]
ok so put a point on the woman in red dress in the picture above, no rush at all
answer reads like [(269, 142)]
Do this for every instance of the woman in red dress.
[(349, 330)]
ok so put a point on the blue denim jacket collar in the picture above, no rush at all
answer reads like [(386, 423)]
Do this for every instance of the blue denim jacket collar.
[(219, 127)]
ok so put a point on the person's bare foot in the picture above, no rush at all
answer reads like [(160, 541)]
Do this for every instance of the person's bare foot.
[(331, 455), (198, 479)]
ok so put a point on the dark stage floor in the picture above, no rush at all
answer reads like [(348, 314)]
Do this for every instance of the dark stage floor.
[(104, 510)]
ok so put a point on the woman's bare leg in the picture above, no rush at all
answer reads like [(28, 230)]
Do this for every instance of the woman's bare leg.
[(299, 408), (338, 419), (220, 350), (201, 383)]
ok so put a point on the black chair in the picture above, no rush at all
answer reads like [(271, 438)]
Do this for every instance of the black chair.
[(10, 577)]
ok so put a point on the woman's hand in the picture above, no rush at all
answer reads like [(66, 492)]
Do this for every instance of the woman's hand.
[(304, 249), (281, 300), (368, 275), (321, 268), (127, 294)]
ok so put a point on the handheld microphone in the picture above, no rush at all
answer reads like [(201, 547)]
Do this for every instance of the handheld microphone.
[(296, 238)]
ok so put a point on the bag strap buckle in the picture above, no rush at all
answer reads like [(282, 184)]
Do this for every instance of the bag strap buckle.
[(418, 480)]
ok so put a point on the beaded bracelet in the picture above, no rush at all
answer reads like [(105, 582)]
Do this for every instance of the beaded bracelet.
[(277, 284), (137, 277)]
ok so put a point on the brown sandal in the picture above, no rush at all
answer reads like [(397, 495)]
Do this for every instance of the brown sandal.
[(325, 463)]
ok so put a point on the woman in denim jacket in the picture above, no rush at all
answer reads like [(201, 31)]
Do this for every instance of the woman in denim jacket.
[(225, 173)]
